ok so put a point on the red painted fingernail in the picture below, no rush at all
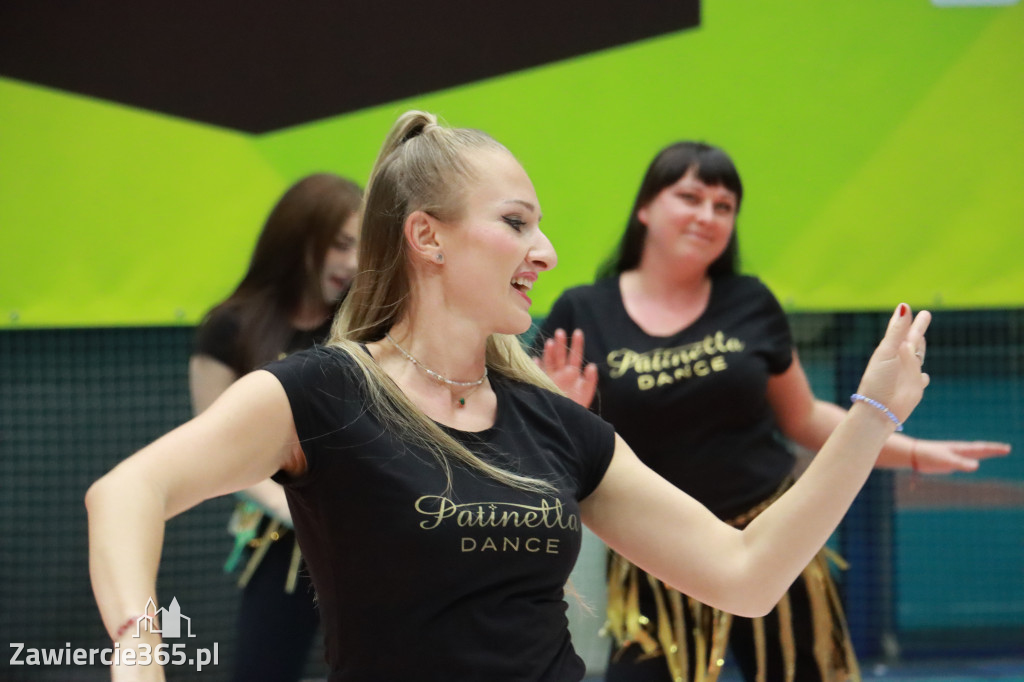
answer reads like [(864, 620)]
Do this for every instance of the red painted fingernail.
[(903, 309)]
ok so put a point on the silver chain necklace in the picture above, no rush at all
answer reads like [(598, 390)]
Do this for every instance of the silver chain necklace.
[(432, 373)]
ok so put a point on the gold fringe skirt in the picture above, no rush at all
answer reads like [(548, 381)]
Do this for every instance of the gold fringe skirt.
[(665, 634)]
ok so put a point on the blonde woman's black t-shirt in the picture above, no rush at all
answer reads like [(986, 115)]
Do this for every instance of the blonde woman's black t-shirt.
[(417, 580), (693, 405)]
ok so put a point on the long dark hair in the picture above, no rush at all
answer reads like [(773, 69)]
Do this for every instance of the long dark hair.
[(284, 269), (713, 167)]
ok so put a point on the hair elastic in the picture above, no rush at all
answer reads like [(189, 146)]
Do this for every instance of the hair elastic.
[(874, 403), (914, 469)]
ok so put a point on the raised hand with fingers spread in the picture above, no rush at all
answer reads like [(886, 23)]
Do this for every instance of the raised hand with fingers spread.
[(563, 362)]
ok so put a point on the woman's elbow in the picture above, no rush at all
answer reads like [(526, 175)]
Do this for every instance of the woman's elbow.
[(121, 487), (746, 605), (756, 606), (93, 493), (101, 490), (748, 594)]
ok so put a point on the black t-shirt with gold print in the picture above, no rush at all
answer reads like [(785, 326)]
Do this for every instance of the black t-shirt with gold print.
[(419, 581), (693, 405)]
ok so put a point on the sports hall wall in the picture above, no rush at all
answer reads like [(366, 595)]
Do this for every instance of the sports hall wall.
[(880, 143)]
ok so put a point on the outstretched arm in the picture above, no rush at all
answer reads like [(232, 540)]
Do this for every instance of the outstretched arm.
[(670, 535), (808, 421), (244, 437)]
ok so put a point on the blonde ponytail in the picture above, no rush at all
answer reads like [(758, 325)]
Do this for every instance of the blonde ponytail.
[(421, 166)]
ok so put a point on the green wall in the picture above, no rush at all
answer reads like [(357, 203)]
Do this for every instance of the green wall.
[(881, 144)]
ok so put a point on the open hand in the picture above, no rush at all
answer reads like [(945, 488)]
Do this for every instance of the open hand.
[(893, 376), (947, 456), (562, 361)]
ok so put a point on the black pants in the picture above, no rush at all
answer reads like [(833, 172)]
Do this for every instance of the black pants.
[(275, 630), (626, 668)]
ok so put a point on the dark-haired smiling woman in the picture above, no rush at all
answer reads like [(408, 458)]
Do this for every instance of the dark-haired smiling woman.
[(695, 368), (423, 427)]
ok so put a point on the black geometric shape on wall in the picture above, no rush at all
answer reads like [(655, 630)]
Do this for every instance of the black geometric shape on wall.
[(261, 65)]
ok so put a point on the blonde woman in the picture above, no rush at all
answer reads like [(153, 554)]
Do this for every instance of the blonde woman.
[(436, 483)]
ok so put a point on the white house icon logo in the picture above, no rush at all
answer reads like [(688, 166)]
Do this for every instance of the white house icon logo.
[(170, 620)]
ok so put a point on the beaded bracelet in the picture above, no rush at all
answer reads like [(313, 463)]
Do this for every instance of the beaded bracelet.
[(885, 410)]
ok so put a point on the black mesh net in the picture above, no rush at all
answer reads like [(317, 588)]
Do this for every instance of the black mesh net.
[(935, 561), (73, 403)]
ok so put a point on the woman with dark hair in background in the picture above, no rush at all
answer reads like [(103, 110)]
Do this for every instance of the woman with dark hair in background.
[(304, 259), (436, 479), (696, 370)]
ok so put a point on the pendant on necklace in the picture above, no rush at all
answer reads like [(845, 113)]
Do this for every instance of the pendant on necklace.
[(462, 402)]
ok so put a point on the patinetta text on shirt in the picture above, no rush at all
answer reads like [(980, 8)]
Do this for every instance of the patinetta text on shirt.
[(662, 366), (501, 516)]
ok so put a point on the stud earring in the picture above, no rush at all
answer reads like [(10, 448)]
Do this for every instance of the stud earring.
[(440, 258)]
